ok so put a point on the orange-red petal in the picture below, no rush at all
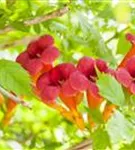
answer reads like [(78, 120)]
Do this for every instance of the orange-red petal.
[(93, 97)]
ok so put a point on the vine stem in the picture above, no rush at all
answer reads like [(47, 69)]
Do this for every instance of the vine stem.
[(54, 14), (14, 98), (116, 35)]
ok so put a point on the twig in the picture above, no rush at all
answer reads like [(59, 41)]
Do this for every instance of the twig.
[(54, 14), (6, 29), (116, 35), (85, 145), (14, 98), (37, 20)]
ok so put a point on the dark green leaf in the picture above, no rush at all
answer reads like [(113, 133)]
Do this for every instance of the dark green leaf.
[(37, 28), (19, 26), (101, 139), (128, 146), (2, 22), (40, 10), (2, 12)]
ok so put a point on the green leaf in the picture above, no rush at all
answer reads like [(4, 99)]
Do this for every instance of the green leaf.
[(37, 28), (2, 22), (120, 129), (101, 139), (40, 10), (122, 41), (95, 114), (58, 26), (132, 100), (19, 26), (14, 78), (110, 89), (94, 39), (128, 146)]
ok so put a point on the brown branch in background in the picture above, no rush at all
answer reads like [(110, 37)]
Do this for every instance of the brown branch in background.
[(14, 98), (37, 20), (54, 14), (85, 145), (6, 29)]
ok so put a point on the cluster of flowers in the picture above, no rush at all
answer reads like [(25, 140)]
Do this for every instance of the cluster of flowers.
[(125, 73), (68, 81)]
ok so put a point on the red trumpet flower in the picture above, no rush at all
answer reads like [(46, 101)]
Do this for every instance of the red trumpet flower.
[(126, 72), (49, 83), (88, 67), (131, 53), (39, 55), (64, 79), (66, 82), (126, 75)]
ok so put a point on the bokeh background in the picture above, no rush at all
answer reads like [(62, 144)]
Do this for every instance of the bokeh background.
[(81, 28)]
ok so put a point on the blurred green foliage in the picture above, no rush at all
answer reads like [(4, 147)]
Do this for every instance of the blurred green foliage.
[(89, 28)]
